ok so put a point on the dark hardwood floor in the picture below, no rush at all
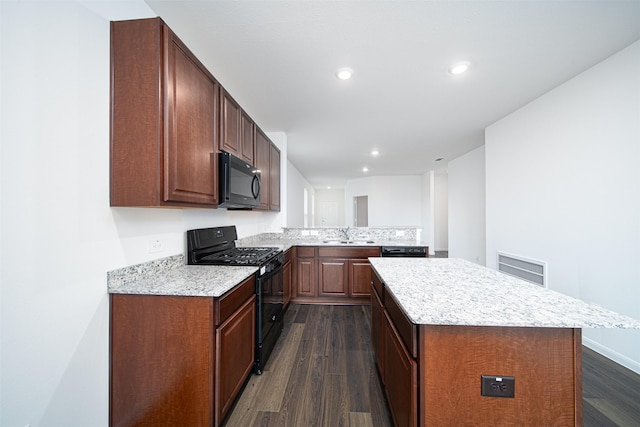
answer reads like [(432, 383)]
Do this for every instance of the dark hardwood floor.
[(322, 373), (610, 392)]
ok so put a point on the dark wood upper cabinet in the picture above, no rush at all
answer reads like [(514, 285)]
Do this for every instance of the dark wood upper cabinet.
[(247, 137), (169, 119), (274, 178), (263, 158), (164, 112), (230, 124)]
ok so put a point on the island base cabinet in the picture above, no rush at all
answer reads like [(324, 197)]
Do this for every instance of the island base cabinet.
[(400, 375), (545, 362), (377, 325)]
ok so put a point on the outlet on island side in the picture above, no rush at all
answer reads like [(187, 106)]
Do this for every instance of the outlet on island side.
[(498, 386)]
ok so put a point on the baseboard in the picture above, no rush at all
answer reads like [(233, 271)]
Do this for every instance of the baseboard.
[(612, 354)]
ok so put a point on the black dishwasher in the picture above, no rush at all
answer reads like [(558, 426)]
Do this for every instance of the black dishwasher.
[(405, 251)]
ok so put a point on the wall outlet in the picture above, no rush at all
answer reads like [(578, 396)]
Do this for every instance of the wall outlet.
[(399, 233), (304, 233), (314, 232), (498, 386), (156, 245)]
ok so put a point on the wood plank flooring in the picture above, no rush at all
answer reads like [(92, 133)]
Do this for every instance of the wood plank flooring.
[(322, 373), (610, 392)]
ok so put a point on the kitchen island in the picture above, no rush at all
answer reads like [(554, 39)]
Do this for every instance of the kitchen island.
[(440, 325)]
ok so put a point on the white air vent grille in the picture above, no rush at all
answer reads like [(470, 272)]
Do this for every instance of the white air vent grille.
[(523, 268)]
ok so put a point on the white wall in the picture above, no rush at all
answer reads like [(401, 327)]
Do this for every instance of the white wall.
[(330, 198), (54, 179), (441, 214), (296, 183), (393, 200), (428, 210), (466, 190), (563, 186)]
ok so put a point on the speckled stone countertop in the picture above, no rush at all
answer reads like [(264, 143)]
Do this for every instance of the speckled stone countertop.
[(435, 291), (285, 244), (329, 236), (170, 276)]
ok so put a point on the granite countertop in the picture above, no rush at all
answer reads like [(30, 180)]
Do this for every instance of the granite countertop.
[(285, 244), (170, 276), (434, 291)]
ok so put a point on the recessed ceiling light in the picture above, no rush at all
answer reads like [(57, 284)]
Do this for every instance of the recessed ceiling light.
[(459, 67), (375, 152), (365, 169), (344, 73), (329, 188)]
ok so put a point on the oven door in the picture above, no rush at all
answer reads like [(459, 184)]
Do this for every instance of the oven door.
[(270, 318)]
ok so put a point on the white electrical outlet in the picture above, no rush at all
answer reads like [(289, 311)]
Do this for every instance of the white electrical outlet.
[(156, 245), (304, 232), (399, 233), (314, 232)]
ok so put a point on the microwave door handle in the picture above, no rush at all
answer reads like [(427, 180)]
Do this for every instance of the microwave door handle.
[(255, 183)]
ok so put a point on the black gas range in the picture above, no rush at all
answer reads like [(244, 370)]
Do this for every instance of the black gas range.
[(217, 246)]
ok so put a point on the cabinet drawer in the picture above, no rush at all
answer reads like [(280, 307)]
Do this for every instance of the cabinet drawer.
[(407, 330), (306, 251), (340, 252), (228, 303)]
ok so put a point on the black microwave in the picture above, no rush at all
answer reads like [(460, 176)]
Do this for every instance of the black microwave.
[(239, 183)]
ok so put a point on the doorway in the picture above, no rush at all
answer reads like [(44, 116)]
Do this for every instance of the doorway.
[(361, 211)]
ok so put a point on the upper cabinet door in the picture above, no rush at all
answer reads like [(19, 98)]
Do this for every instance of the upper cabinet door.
[(263, 155), (192, 104), (247, 137), (274, 179), (164, 120), (230, 124)]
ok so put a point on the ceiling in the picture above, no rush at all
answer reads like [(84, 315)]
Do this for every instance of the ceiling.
[(279, 58)]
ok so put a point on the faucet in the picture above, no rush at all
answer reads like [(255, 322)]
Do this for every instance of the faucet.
[(345, 232)]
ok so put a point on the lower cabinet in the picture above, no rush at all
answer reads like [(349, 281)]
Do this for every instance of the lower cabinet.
[(333, 274), (306, 273), (333, 277), (396, 363), (377, 338), (400, 377), (235, 355), (287, 277), (179, 360), (359, 277)]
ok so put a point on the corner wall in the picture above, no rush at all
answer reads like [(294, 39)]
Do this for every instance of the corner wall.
[(563, 186), (467, 229)]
